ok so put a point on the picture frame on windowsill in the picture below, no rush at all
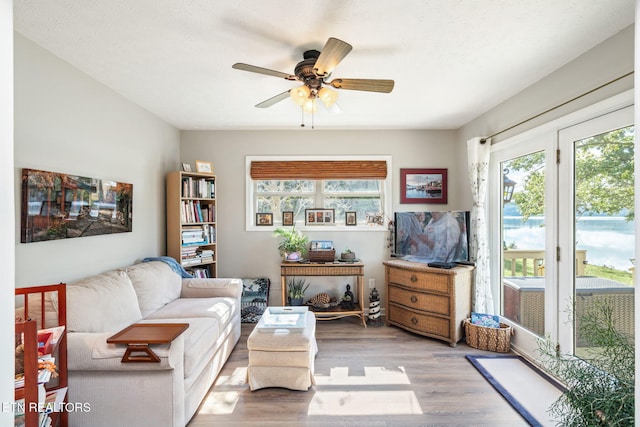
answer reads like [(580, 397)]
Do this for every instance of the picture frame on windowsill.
[(319, 217), (350, 218), (287, 218), (264, 219)]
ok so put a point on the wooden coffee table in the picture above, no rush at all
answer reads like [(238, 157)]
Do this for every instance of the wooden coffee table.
[(139, 335)]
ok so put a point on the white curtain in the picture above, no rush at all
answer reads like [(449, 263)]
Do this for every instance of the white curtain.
[(478, 153)]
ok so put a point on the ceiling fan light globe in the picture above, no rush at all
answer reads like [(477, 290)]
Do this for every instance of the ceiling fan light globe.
[(309, 106), (300, 94), (328, 96)]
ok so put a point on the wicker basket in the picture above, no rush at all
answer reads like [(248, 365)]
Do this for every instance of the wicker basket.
[(485, 338), (323, 255)]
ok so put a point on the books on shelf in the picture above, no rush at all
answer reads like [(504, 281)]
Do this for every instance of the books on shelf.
[(193, 255), (200, 273), (202, 235), (193, 211), (202, 188)]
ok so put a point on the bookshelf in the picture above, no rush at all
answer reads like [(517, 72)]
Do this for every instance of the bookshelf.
[(191, 221), (40, 396)]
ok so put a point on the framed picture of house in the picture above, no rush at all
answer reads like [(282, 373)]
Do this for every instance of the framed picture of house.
[(423, 186), (264, 219), (319, 217), (287, 218)]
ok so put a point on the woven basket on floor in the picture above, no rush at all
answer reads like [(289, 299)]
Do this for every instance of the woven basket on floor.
[(485, 338)]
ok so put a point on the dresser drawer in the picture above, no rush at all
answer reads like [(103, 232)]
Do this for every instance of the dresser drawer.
[(423, 323), (428, 282), (419, 300)]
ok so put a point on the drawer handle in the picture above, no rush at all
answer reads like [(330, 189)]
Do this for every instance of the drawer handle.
[(414, 278), (414, 320), (414, 299)]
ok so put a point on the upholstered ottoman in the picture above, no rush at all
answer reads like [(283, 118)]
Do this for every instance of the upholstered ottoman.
[(282, 357)]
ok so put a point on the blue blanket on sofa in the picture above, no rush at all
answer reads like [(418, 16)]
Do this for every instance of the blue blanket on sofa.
[(175, 265)]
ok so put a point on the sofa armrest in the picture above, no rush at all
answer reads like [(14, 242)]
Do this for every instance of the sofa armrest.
[(208, 288), (90, 352)]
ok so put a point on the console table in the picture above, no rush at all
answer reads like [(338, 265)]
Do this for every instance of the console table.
[(355, 269)]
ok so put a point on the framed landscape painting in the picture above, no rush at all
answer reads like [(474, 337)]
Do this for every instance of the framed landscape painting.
[(423, 186), (61, 206)]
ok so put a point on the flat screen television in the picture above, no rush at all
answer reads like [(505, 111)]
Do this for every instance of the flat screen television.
[(432, 236)]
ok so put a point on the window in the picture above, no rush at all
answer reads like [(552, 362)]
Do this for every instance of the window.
[(344, 184)]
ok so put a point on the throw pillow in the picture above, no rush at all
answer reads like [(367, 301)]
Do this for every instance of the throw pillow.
[(102, 303), (255, 298)]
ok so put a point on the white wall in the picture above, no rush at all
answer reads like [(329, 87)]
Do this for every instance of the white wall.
[(254, 253), (67, 122), (7, 252), (609, 60)]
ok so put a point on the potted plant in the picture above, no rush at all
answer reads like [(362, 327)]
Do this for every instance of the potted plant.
[(293, 243), (348, 254), (297, 288), (600, 384)]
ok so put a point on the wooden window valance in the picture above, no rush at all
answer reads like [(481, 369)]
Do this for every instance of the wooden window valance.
[(319, 169)]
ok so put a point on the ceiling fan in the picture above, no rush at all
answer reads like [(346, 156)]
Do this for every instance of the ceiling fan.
[(314, 72)]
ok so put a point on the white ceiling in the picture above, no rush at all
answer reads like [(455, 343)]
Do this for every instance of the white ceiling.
[(451, 60)]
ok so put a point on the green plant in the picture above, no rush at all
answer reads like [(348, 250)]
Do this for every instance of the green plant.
[(292, 240), (346, 251), (297, 288), (600, 385)]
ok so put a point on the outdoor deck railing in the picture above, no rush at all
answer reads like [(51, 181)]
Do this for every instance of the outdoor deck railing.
[(535, 259)]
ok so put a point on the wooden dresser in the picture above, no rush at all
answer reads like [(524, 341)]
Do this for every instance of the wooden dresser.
[(428, 301)]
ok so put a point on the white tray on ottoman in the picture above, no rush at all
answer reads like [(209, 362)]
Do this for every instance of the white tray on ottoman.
[(292, 318), (283, 357)]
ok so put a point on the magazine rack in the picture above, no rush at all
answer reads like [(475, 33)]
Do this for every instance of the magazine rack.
[(35, 319)]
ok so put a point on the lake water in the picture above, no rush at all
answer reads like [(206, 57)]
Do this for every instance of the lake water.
[(609, 241), (416, 194)]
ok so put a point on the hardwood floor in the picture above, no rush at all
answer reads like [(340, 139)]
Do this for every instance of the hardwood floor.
[(375, 377)]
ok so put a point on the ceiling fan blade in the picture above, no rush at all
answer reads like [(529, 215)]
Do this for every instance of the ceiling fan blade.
[(369, 85), (332, 53), (273, 100), (260, 70)]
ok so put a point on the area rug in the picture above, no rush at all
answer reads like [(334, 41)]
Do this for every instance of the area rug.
[(529, 390), (255, 298)]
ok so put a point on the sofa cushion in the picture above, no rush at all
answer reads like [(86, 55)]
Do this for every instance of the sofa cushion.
[(200, 339), (155, 283), (102, 303), (223, 309)]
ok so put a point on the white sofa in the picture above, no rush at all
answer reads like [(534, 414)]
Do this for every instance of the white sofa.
[(147, 394)]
